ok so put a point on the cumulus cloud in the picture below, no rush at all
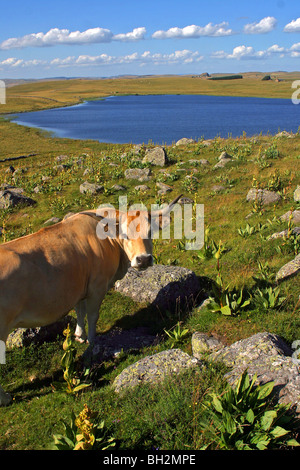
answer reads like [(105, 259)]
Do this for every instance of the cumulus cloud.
[(266, 25), (249, 53), (293, 26), (194, 31), (57, 36), (13, 62)]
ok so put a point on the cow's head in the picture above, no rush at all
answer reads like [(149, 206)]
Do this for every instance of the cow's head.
[(132, 230)]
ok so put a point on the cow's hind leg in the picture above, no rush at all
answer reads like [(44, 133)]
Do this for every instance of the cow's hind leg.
[(80, 334), (5, 398)]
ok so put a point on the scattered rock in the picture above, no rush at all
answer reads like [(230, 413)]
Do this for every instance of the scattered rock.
[(12, 197), (69, 214), (53, 220), (184, 141), (295, 216), (289, 269), (267, 356), (140, 174), (163, 188), (88, 171), (90, 188), (284, 134), (185, 200), (217, 188), (10, 169), (203, 343), (60, 168), (142, 188), (263, 195), (153, 369), (22, 337), (118, 187), (284, 233), (156, 156), (224, 158), (297, 194), (61, 158), (163, 286)]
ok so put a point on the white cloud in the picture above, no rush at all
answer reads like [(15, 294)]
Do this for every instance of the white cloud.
[(13, 62), (293, 26), (263, 26), (57, 36), (194, 31), (248, 52)]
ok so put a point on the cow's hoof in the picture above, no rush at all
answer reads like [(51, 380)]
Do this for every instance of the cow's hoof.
[(5, 398)]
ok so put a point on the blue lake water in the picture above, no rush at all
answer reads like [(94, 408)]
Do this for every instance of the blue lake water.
[(164, 119)]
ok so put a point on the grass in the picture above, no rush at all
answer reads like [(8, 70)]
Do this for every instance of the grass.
[(169, 412)]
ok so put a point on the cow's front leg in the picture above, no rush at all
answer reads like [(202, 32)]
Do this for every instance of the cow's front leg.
[(80, 334)]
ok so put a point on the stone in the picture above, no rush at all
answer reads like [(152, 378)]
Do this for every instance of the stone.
[(60, 168), (22, 337), (156, 156), (224, 158), (263, 195), (53, 220), (297, 194), (61, 158), (118, 187), (88, 171), (268, 357), (284, 233), (203, 343), (163, 188), (140, 174), (292, 268), (185, 200), (12, 197), (90, 188), (217, 188), (184, 141), (69, 214), (142, 188), (295, 216), (154, 369), (160, 285)]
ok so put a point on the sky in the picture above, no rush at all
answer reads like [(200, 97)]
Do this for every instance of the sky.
[(101, 38)]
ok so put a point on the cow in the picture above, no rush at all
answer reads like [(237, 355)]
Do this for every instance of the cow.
[(43, 276)]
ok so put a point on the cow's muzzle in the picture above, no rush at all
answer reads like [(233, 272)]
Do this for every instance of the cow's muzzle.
[(142, 261)]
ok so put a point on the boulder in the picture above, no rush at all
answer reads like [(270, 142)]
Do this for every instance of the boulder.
[(184, 141), (118, 187), (284, 233), (90, 188), (140, 174), (12, 197), (297, 194), (268, 357), (224, 158), (203, 343), (162, 286), (163, 188), (156, 156), (142, 188), (289, 269), (295, 216), (263, 195), (154, 369)]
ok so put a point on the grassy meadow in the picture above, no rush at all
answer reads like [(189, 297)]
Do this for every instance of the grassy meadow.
[(166, 417)]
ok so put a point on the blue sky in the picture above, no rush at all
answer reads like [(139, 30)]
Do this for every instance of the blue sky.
[(98, 38)]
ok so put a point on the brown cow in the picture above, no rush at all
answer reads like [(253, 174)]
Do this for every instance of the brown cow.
[(68, 265)]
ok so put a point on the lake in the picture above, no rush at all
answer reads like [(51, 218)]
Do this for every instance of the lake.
[(164, 119)]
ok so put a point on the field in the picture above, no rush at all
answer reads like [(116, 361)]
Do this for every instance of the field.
[(164, 417)]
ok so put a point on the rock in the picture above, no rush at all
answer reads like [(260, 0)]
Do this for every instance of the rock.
[(61, 158), (263, 195), (162, 286), (156, 156), (269, 358), (69, 214), (185, 200), (297, 194), (224, 158), (163, 188), (90, 188), (284, 134), (18, 171), (53, 220), (203, 343), (289, 269), (22, 337), (154, 369), (217, 188), (284, 233), (88, 171), (142, 188), (46, 179), (111, 344), (60, 168), (12, 197), (141, 174), (295, 216), (118, 187), (184, 141)]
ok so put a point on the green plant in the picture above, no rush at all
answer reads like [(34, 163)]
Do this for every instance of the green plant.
[(177, 334), (73, 384), (268, 298), (83, 434), (242, 418), (209, 249), (291, 241)]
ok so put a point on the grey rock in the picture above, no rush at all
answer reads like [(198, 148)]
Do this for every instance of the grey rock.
[(61, 158), (203, 343), (184, 141), (297, 194), (284, 233), (292, 268), (269, 358), (154, 369), (88, 171), (53, 220), (224, 158), (163, 286), (69, 214), (118, 187), (60, 168), (217, 188), (163, 188), (263, 195), (12, 197), (156, 156), (90, 188), (140, 174), (295, 216), (142, 188), (185, 200)]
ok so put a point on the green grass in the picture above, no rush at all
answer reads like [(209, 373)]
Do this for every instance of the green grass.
[(168, 419)]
